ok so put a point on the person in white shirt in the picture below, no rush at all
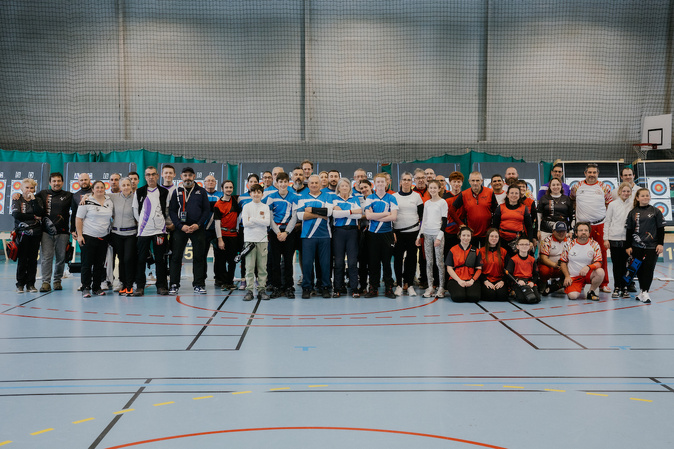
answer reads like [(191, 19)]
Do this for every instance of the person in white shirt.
[(432, 226), (150, 208), (256, 219), (615, 237), (626, 176), (581, 264), (591, 198), (406, 228), (93, 222), (497, 187)]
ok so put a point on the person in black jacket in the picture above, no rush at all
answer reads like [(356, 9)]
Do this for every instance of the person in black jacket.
[(189, 209), (645, 237), (27, 212), (57, 203)]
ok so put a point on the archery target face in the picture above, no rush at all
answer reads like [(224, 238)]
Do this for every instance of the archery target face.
[(573, 181), (665, 206), (612, 183), (658, 187)]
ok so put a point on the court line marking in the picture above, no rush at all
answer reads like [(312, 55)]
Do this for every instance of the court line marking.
[(309, 386), (83, 420)]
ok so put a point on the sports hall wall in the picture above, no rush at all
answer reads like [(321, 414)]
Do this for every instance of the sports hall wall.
[(284, 80)]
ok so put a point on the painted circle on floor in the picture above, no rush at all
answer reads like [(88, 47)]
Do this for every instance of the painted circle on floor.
[(263, 429)]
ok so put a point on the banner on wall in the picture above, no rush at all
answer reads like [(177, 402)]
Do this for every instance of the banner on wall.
[(12, 175)]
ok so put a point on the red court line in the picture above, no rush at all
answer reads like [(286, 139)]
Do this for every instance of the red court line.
[(179, 301), (356, 429)]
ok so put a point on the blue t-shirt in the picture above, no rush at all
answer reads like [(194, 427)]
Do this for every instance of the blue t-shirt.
[(316, 227), (351, 203), (282, 207), (386, 203)]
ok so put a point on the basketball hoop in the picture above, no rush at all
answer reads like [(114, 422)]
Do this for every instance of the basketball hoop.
[(642, 149)]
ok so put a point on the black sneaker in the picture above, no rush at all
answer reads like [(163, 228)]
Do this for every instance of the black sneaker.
[(249, 296), (389, 294), (139, 292), (306, 293), (174, 289), (263, 295), (163, 291), (592, 296), (372, 293), (276, 293), (99, 292), (632, 288), (290, 293), (326, 292)]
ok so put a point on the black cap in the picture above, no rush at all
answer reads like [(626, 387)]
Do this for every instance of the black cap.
[(188, 170), (560, 226)]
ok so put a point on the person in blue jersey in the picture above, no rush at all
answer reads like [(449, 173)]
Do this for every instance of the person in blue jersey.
[(346, 212), (244, 199), (333, 179), (283, 205), (314, 211), (381, 209)]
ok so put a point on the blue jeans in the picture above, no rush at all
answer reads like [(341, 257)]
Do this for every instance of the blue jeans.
[(310, 248)]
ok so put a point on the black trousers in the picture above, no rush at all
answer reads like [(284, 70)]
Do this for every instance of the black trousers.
[(619, 260), (381, 250), (26, 268), (210, 240), (159, 245), (94, 251), (363, 257), (224, 275), (125, 248), (405, 257), (345, 243), (499, 294), (645, 272), (180, 240), (281, 261), (464, 294)]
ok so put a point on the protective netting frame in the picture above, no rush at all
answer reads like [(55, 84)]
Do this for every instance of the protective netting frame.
[(334, 80)]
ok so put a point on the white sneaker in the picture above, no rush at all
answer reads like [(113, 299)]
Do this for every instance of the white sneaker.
[(441, 293), (411, 291), (398, 291), (644, 297), (429, 292)]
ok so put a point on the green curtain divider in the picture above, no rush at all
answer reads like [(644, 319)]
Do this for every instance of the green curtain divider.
[(466, 160)]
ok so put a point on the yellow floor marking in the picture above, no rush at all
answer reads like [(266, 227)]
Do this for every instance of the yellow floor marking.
[(5, 442), (241, 392), (473, 385), (643, 400), (277, 389), (511, 386), (596, 394), (316, 386), (558, 391), (163, 403), (124, 411), (83, 420), (202, 397), (42, 431)]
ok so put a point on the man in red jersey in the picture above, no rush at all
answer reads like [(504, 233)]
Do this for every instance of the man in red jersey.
[(479, 204)]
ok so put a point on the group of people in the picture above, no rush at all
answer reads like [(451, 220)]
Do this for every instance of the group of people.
[(351, 235)]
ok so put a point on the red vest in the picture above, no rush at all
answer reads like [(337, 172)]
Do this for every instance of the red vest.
[(512, 221), (492, 267)]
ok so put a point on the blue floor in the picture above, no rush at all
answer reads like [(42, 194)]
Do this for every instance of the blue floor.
[(216, 372)]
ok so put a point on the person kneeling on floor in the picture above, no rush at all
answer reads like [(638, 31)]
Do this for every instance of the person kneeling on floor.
[(523, 269), (581, 264)]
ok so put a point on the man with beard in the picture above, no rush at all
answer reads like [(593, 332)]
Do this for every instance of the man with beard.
[(581, 264), (189, 209), (57, 204)]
